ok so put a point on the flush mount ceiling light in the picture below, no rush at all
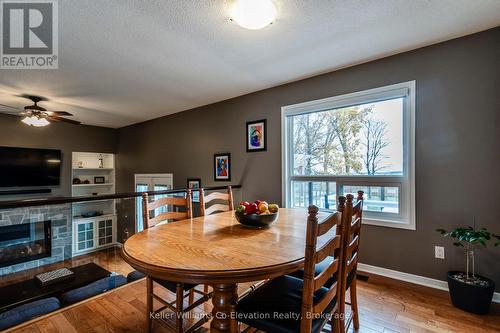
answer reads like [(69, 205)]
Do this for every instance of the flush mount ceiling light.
[(253, 14)]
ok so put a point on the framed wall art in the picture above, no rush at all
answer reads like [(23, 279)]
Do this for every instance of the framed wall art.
[(194, 184), (256, 135), (222, 167)]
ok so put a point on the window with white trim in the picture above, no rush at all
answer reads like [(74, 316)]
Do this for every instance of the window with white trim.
[(358, 141)]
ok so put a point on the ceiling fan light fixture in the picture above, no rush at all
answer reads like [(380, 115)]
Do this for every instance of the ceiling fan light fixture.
[(35, 121), (253, 14)]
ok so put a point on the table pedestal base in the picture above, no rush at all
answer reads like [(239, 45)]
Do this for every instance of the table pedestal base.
[(224, 299)]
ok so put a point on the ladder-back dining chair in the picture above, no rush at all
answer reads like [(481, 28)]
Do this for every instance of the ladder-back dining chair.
[(181, 290), (218, 197), (216, 202), (306, 305), (353, 215)]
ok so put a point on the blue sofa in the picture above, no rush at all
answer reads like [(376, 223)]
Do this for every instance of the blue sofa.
[(93, 289), (28, 311)]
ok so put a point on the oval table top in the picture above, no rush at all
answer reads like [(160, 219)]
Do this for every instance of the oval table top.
[(218, 249)]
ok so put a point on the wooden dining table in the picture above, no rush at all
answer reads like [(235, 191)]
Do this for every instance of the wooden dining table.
[(217, 250)]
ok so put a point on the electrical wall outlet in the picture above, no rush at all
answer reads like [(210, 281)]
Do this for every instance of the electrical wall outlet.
[(439, 252)]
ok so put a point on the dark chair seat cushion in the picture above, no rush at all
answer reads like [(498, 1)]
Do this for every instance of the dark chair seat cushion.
[(320, 267), (282, 296), (27, 312), (93, 289), (135, 275), (172, 286)]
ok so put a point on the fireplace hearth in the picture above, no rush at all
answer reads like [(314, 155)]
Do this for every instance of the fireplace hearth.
[(25, 242)]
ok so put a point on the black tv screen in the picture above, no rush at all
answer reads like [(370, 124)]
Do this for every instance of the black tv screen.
[(21, 167)]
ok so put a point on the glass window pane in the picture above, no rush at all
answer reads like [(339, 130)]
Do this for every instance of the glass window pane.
[(321, 194), (158, 187), (140, 188), (383, 199), (366, 139)]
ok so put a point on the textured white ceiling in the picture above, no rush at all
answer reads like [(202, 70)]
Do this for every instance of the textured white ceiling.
[(126, 61)]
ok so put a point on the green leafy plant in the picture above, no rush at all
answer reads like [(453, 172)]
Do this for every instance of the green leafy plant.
[(469, 238)]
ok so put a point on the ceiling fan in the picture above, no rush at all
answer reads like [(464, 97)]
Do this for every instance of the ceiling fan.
[(35, 115)]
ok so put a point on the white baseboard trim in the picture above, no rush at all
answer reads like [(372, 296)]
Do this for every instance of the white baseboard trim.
[(411, 278)]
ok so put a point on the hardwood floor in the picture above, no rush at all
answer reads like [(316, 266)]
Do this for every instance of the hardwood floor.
[(385, 305)]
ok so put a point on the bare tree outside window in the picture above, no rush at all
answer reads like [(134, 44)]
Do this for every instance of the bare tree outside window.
[(375, 132), (329, 142)]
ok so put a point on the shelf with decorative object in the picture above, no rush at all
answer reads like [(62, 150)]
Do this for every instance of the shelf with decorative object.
[(94, 222)]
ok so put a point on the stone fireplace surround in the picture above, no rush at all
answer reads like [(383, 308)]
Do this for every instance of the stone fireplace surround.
[(60, 217)]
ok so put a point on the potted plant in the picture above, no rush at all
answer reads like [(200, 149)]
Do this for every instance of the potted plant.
[(469, 291)]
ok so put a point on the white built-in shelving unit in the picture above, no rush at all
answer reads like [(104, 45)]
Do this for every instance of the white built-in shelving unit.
[(93, 233)]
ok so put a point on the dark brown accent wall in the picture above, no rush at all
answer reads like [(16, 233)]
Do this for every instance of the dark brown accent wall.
[(457, 146), (66, 137)]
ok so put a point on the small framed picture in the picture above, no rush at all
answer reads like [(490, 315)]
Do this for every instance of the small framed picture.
[(256, 135), (195, 185), (222, 167), (99, 180)]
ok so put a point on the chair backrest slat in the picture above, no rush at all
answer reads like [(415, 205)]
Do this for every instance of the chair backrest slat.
[(324, 227), (148, 207), (357, 207), (217, 207), (352, 262), (167, 201), (215, 196), (330, 247), (320, 306), (356, 224), (324, 276), (167, 216), (353, 246)]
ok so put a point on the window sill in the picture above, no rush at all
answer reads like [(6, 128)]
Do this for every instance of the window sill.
[(389, 223)]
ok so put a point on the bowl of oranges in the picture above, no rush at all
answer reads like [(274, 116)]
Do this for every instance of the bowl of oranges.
[(258, 214)]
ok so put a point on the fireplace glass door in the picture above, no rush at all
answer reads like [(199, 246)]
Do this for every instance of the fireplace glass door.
[(24, 242)]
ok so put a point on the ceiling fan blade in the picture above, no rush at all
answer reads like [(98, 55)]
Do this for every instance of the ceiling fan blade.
[(34, 98), (13, 113), (59, 113), (10, 107), (57, 118)]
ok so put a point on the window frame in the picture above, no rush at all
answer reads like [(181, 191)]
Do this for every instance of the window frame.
[(405, 219)]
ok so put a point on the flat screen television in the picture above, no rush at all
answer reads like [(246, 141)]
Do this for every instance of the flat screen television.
[(22, 167)]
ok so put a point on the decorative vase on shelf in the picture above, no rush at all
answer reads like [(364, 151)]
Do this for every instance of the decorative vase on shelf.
[(101, 163)]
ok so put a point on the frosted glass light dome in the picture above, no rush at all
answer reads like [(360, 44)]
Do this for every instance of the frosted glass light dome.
[(253, 14)]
